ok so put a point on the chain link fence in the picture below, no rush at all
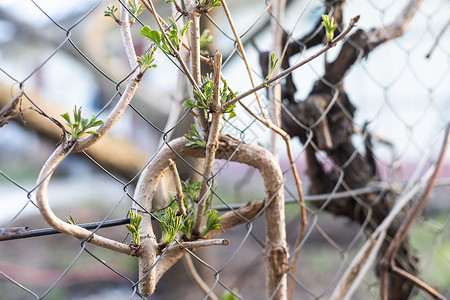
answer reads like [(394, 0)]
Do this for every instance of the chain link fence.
[(55, 56)]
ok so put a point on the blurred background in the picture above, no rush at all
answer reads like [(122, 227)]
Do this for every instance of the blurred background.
[(67, 53)]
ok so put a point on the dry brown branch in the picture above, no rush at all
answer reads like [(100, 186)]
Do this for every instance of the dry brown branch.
[(199, 244), (388, 262), (276, 251)]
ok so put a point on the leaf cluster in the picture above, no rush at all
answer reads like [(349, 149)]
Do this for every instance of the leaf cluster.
[(174, 36), (212, 220), (79, 125), (146, 60), (134, 227), (205, 99), (110, 12), (195, 140), (171, 222), (191, 190), (134, 7), (330, 27)]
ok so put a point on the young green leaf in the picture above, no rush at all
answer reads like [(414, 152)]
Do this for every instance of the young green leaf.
[(207, 5), (192, 190), (188, 224), (330, 27), (170, 224), (135, 8), (110, 12), (229, 296), (212, 221), (146, 60), (134, 227), (71, 220), (80, 125), (273, 64), (189, 103), (195, 140)]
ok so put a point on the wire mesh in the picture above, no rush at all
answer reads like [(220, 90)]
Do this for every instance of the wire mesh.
[(63, 57)]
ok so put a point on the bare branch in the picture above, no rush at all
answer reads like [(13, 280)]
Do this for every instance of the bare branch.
[(44, 207), (419, 283), (228, 149), (179, 189), (126, 36), (199, 244), (195, 60), (212, 144), (11, 109)]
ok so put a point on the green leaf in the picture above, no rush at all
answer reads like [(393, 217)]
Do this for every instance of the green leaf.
[(152, 35), (135, 8), (189, 103), (273, 64), (184, 29), (134, 227), (192, 190), (71, 220), (188, 224), (83, 122), (229, 296), (195, 140), (146, 60), (109, 12), (212, 221), (67, 118), (170, 224), (330, 27)]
